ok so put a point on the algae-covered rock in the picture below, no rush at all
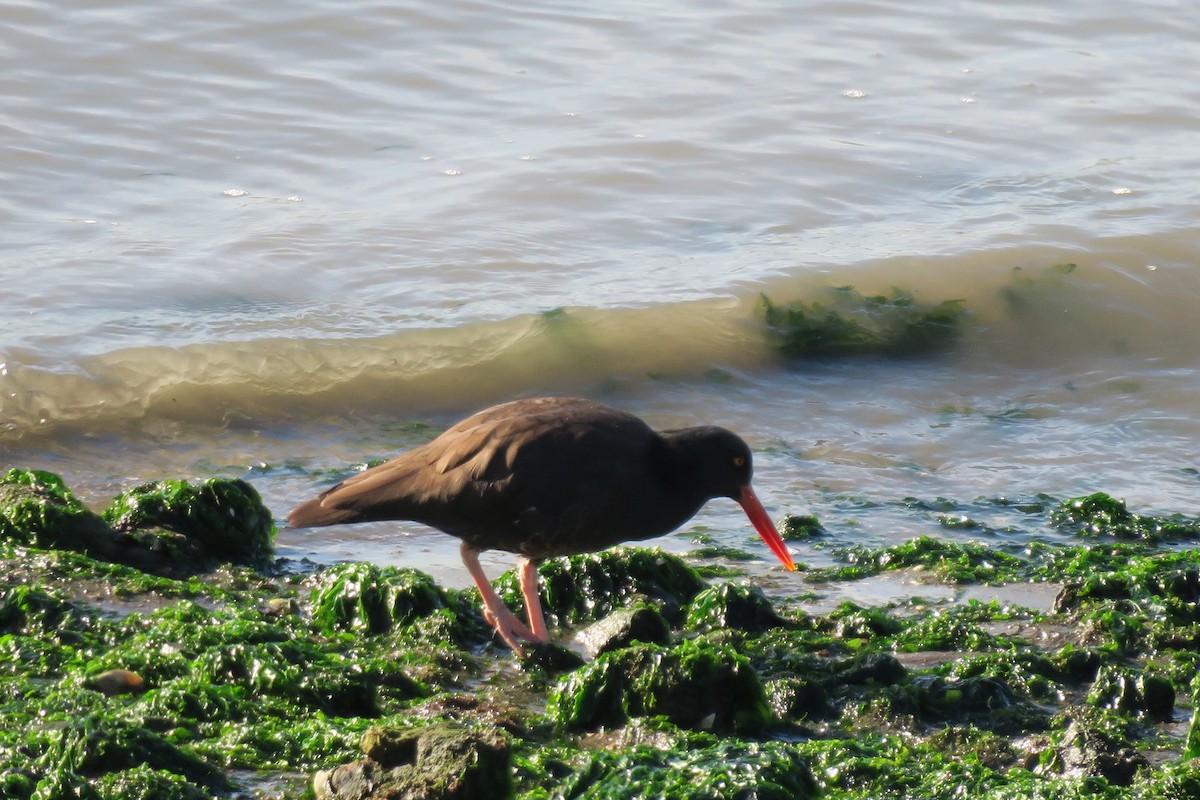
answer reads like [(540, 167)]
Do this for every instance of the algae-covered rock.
[(695, 685), (370, 599), (641, 623), (800, 527), (1088, 750), (1130, 692), (732, 605), (873, 669), (168, 527), (225, 518), (144, 783), (795, 698), (37, 508), (32, 611), (438, 762), (96, 745), (588, 587), (725, 769)]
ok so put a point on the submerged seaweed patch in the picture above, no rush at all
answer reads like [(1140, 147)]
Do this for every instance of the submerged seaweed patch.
[(848, 323), (1101, 515)]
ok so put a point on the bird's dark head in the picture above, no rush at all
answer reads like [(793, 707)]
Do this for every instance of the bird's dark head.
[(713, 460)]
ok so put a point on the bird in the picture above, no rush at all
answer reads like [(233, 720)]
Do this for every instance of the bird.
[(545, 477)]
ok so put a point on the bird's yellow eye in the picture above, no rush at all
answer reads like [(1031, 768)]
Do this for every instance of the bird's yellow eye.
[(739, 461)]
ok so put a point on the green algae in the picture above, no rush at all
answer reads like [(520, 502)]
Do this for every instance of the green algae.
[(588, 587), (375, 600), (1133, 692), (95, 745), (965, 700), (732, 605), (165, 528), (225, 518), (692, 685), (847, 323), (37, 508), (146, 783), (714, 770), (1100, 515), (799, 527), (944, 559)]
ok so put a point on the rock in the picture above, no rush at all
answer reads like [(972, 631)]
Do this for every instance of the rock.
[(697, 685), (549, 657), (1086, 751), (732, 605), (225, 519), (444, 761), (588, 587), (37, 508), (281, 607), (878, 669), (640, 623)]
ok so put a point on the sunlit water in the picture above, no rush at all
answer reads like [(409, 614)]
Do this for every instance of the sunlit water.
[(271, 241)]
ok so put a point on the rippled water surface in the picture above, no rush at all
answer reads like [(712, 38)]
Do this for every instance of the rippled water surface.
[(274, 237)]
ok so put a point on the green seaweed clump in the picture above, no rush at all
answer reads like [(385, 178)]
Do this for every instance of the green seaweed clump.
[(588, 587), (145, 783), (1101, 515), (96, 745), (944, 559), (697, 685), (37, 509), (370, 599), (800, 527), (732, 605), (226, 518), (723, 769), (1134, 693), (852, 324)]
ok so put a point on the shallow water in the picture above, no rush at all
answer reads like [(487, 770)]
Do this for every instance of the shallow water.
[(274, 242)]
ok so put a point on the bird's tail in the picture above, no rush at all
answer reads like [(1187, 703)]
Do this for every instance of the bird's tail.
[(312, 514)]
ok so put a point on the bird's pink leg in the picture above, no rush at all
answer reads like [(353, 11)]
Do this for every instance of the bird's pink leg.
[(494, 611), (528, 575)]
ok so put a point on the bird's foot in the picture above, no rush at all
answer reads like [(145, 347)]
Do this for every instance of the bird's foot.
[(510, 629)]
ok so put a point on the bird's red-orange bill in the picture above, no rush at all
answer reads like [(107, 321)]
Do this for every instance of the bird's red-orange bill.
[(766, 529)]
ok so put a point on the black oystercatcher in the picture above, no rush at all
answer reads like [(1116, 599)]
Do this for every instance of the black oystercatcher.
[(546, 477)]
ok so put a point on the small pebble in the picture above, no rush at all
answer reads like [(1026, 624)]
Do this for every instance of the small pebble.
[(281, 606), (118, 681)]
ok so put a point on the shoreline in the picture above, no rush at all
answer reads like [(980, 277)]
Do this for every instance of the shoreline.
[(261, 680)]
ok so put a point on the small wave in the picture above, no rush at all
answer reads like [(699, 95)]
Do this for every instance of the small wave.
[(1013, 315)]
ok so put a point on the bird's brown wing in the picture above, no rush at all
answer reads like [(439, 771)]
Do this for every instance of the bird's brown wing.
[(472, 456), (401, 487)]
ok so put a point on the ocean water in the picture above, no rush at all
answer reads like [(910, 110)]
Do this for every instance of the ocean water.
[(275, 241)]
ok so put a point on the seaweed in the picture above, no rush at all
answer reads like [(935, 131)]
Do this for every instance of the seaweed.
[(732, 605), (1101, 515), (202, 687), (694, 685), (590, 586), (722, 769), (37, 508), (225, 519), (849, 323)]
